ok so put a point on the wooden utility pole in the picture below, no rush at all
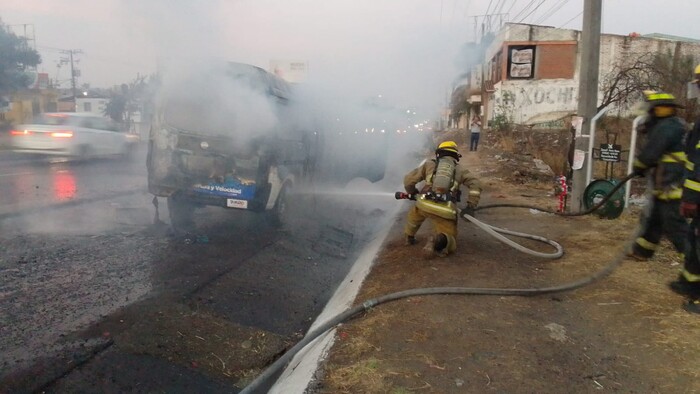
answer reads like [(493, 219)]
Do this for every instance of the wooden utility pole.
[(73, 73), (588, 93)]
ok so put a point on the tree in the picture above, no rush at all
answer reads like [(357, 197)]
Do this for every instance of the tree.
[(115, 107), (660, 71), (15, 57), (130, 97), (624, 84)]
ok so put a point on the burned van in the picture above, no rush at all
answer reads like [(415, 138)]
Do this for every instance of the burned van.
[(230, 137)]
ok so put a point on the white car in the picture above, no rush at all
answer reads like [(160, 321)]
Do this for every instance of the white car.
[(71, 134)]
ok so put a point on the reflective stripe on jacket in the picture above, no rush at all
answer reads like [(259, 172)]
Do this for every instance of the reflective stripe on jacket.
[(664, 155), (691, 186)]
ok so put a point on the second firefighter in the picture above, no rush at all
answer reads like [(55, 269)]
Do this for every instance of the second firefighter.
[(662, 161)]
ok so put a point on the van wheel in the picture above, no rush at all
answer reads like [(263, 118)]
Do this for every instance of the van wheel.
[(279, 213), (181, 215)]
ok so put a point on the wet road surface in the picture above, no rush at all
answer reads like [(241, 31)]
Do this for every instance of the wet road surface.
[(95, 298)]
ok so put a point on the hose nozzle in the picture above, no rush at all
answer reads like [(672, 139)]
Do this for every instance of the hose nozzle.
[(404, 196)]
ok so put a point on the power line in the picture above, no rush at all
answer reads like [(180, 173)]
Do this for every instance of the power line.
[(495, 6), (511, 6), (500, 9), (489, 7), (551, 11), (569, 21), (535, 9), (524, 9)]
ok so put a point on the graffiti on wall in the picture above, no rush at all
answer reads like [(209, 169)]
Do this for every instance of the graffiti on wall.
[(531, 98)]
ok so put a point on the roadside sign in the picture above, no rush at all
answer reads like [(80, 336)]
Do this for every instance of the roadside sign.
[(610, 152)]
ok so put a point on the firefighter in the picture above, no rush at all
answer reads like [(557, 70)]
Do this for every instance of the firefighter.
[(662, 160), (688, 282), (437, 200)]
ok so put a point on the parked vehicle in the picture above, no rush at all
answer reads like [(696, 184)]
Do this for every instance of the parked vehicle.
[(230, 137), (71, 134)]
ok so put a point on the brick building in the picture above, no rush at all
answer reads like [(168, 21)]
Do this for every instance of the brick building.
[(531, 73)]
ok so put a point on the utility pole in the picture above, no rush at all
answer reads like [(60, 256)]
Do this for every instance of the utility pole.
[(486, 24), (73, 73), (588, 95)]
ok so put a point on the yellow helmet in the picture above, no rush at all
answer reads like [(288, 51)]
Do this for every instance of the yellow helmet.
[(697, 74), (697, 69), (661, 99), (450, 146), (662, 104)]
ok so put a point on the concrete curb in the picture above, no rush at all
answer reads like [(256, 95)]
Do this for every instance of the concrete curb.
[(301, 370)]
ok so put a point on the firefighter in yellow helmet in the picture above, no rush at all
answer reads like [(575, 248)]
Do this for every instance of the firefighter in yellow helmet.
[(688, 282), (437, 200), (662, 159)]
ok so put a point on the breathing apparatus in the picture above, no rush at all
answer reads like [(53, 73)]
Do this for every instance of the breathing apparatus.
[(443, 188)]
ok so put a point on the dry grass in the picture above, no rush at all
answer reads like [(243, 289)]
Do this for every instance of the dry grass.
[(355, 340), (363, 376), (555, 160)]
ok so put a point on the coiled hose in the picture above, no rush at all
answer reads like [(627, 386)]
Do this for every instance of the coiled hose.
[(367, 305)]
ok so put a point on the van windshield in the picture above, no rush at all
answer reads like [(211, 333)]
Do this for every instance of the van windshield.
[(204, 116), (208, 103)]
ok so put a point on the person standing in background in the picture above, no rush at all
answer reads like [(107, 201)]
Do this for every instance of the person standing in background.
[(475, 130)]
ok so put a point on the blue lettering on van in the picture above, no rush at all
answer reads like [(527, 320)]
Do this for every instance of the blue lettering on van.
[(231, 188)]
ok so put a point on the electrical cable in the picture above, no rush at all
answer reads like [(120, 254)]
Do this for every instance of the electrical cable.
[(348, 314), (511, 7), (500, 9), (569, 21), (489, 7), (553, 10), (524, 9), (533, 10)]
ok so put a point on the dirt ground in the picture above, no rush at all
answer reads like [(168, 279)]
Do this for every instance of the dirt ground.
[(626, 333)]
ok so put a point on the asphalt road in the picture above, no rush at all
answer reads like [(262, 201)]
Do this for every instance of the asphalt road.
[(88, 284)]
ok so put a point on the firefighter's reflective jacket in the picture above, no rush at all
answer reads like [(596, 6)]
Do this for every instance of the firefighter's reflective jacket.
[(447, 209), (664, 154), (691, 186)]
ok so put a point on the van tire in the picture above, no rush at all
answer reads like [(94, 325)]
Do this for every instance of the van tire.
[(278, 214), (181, 213)]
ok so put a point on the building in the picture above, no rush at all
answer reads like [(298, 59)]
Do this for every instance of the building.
[(22, 105), (94, 104), (530, 73)]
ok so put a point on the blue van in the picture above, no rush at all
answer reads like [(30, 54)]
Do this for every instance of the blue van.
[(230, 137)]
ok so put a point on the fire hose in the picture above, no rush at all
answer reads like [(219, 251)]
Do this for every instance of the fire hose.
[(353, 312)]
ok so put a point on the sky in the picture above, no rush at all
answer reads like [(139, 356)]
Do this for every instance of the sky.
[(404, 50)]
